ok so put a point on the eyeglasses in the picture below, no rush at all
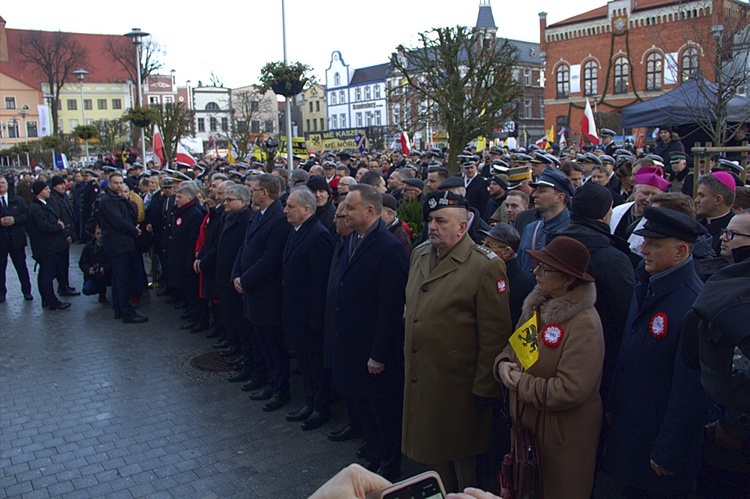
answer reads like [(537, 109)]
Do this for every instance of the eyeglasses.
[(229, 200), (544, 269), (729, 233), (494, 247)]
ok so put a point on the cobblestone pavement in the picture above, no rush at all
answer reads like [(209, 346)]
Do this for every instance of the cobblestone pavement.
[(92, 407)]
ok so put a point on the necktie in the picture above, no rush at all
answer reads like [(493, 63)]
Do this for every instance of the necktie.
[(4, 205)]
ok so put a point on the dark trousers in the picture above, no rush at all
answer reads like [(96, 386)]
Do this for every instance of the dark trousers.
[(47, 273), (381, 423), (252, 356), (18, 257), (277, 358), (316, 384), (95, 286), (63, 267), (121, 275)]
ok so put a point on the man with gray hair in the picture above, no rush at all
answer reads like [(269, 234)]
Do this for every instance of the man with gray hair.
[(304, 279)]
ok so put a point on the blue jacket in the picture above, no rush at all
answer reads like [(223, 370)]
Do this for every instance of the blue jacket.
[(541, 228), (258, 265), (657, 402)]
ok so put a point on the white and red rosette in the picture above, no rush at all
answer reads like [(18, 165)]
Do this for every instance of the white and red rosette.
[(178, 222), (552, 335), (657, 326)]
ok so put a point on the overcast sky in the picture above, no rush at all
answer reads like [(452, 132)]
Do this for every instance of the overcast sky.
[(235, 38)]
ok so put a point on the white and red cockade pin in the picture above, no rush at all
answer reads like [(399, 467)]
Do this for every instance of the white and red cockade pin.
[(657, 326), (178, 221), (502, 286), (552, 335)]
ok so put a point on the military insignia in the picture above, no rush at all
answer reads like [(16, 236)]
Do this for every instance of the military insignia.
[(657, 326), (178, 222), (432, 202), (502, 286), (552, 335)]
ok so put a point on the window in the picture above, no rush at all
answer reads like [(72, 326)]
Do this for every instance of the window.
[(212, 106), (73, 124), (337, 79), (654, 71), (377, 91), (225, 124), (368, 118), (255, 126), (101, 103), (562, 122), (31, 129), (212, 124), (322, 124), (368, 93), (59, 108), (72, 105), (168, 99), (333, 98), (153, 100), (527, 108), (342, 97), (201, 124), (13, 129), (254, 106), (689, 63), (268, 126), (10, 103), (563, 81), (311, 106), (396, 112), (334, 122), (527, 77), (378, 118), (541, 107), (622, 82), (307, 124), (358, 94), (241, 126), (315, 124), (317, 106), (116, 103), (343, 121), (590, 78)]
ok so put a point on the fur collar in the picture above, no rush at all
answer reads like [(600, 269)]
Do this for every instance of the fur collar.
[(559, 310)]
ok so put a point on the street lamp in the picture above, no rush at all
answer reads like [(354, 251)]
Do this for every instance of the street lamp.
[(288, 106), (137, 35), (80, 74), (50, 102), (23, 112)]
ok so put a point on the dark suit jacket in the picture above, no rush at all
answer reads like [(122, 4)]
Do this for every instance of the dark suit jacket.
[(304, 278), (181, 247), (231, 236), (207, 253), (64, 211), (258, 265), (369, 312), (117, 221), (18, 210), (46, 235), (477, 194)]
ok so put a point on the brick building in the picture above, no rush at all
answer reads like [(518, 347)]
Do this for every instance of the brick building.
[(629, 51)]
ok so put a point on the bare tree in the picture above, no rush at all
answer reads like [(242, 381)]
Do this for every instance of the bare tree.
[(175, 123), (122, 51), (461, 79), (55, 55), (113, 134), (248, 105)]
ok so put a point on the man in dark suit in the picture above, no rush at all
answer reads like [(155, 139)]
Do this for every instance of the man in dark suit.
[(60, 204), (368, 327), (13, 239), (47, 236), (257, 276), (304, 279), (477, 193)]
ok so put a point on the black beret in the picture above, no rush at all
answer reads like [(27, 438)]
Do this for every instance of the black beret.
[(445, 199)]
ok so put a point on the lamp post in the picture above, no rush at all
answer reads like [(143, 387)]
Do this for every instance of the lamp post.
[(288, 106), (14, 121), (50, 102), (137, 36), (80, 74), (23, 112)]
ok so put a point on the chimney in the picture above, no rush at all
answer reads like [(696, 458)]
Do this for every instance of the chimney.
[(3, 42), (542, 29)]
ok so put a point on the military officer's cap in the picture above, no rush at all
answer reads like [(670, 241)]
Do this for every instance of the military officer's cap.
[(89, 171), (556, 179), (729, 166), (676, 156), (605, 158), (522, 158), (167, 182), (416, 153), (517, 175), (623, 152), (591, 158), (662, 223), (506, 234), (496, 150), (606, 132)]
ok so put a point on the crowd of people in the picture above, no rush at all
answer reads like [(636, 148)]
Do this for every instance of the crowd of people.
[(583, 303)]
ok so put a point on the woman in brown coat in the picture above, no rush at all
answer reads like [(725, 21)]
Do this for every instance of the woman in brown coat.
[(569, 367)]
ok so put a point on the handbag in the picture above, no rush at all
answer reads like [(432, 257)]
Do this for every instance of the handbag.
[(520, 475)]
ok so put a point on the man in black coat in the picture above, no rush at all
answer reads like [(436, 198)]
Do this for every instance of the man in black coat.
[(304, 279), (59, 203), (205, 261), (13, 213), (368, 362), (47, 236), (477, 193), (117, 220), (257, 276), (89, 195)]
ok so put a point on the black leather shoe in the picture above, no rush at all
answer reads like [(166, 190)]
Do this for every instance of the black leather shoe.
[(240, 376), (68, 292), (361, 450), (236, 362), (263, 394), (2, 299), (344, 434), (187, 325), (390, 475), (185, 316), (301, 414), (253, 384), (180, 305), (27, 297), (221, 344), (230, 352), (60, 306), (134, 319), (215, 332), (316, 420), (199, 328), (277, 401)]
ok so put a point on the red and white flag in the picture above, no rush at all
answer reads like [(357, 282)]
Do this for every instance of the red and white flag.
[(184, 157), (588, 127), (158, 145), (404, 139)]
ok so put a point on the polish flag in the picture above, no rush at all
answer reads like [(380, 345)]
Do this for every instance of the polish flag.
[(158, 145), (404, 143), (588, 127), (184, 157)]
